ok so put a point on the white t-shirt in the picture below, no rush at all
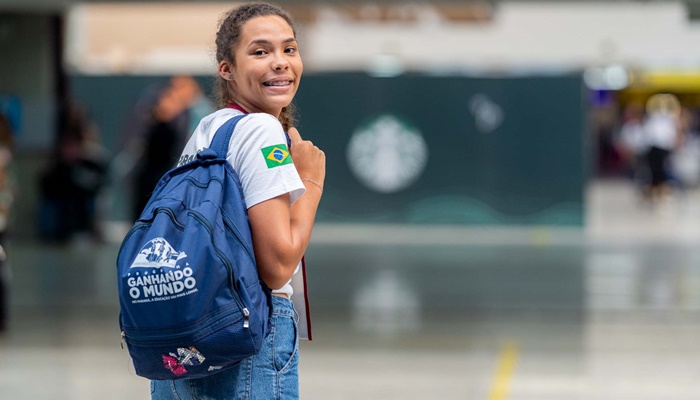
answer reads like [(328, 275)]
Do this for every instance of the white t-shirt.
[(259, 154), (660, 130)]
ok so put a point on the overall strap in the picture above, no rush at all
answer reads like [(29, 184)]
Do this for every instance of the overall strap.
[(222, 137)]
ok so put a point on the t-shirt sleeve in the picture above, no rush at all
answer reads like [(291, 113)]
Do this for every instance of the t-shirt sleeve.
[(258, 152)]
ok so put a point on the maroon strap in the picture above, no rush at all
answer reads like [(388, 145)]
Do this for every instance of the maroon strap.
[(306, 297), (236, 107)]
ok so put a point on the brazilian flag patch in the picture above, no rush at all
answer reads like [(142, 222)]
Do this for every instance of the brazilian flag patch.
[(276, 155)]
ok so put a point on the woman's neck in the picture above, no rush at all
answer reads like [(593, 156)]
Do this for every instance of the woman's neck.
[(249, 108), (235, 106)]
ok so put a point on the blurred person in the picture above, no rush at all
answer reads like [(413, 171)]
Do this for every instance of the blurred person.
[(72, 181), (259, 69), (632, 144), (610, 161), (7, 196), (183, 96), (159, 155), (179, 101), (161, 125), (685, 160), (662, 135)]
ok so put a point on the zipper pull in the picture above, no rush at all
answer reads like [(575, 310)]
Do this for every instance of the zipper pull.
[(123, 340), (246, 314)]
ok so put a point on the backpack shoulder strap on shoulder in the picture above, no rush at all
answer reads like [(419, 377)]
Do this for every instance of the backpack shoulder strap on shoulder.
[(222, 137)]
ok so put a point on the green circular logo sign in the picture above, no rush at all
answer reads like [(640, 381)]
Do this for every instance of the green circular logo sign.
[(387, 153)]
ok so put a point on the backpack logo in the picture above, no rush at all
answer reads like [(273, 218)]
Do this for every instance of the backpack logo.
[(160, 285), (158, 253)]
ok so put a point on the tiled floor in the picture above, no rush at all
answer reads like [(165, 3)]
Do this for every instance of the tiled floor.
[(609, 312)]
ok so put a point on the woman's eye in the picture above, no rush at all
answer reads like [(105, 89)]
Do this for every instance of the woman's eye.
[(259, 52), (290, 50)]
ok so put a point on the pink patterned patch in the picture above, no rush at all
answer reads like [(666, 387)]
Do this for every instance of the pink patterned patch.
[(173, 365)]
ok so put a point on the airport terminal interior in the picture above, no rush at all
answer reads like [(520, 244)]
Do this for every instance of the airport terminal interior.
[(485, 233)]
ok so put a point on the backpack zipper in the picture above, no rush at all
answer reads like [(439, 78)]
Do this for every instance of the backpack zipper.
[(232, 228), (145, 338), (227, 263), (201, 185), (171, 214)]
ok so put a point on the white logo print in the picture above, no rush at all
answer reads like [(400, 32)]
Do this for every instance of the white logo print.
[(155, 283), (158, 253)]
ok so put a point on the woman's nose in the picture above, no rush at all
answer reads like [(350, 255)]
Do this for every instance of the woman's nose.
[(280, 62)]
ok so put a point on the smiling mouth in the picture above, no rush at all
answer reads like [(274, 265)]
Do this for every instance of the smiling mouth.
[(277, 83)]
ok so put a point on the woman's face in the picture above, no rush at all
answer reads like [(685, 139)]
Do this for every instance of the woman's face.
[(268, 65)]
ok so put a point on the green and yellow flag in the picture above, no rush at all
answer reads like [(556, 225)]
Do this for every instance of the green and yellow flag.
[(276, 155)]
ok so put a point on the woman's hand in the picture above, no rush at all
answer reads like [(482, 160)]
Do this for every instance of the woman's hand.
[(309, 160)]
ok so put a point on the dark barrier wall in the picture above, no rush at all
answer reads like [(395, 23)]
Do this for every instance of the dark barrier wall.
[(497, 151), (425, 149)]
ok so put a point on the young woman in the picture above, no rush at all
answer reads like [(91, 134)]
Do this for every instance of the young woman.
[(259, 72)]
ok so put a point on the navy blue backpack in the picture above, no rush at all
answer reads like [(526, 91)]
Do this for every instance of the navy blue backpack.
[(191, 301)]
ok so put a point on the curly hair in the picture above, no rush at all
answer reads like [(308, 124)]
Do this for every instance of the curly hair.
[(228, 37)]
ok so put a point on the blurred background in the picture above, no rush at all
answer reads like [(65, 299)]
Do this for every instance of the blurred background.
[(511, 208)]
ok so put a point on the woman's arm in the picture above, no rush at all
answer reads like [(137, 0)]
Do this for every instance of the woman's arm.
[(281, 233)]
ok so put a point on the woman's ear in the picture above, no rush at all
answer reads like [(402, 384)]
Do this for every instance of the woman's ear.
[(225, 70)]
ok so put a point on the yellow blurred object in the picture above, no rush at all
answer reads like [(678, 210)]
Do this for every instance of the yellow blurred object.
[(669, 80), (684, 84)]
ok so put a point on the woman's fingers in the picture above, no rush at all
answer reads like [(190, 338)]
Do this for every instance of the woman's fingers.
[(309, 160), (294, 135)]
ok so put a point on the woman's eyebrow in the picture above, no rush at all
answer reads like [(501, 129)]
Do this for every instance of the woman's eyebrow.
[(267, 42)]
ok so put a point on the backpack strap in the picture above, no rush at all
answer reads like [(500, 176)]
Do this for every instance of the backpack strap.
[(222, 137)]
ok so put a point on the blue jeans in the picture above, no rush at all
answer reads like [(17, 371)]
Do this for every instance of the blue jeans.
[(271, 374)]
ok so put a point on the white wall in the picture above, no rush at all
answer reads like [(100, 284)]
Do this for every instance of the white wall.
[(523, 35)]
